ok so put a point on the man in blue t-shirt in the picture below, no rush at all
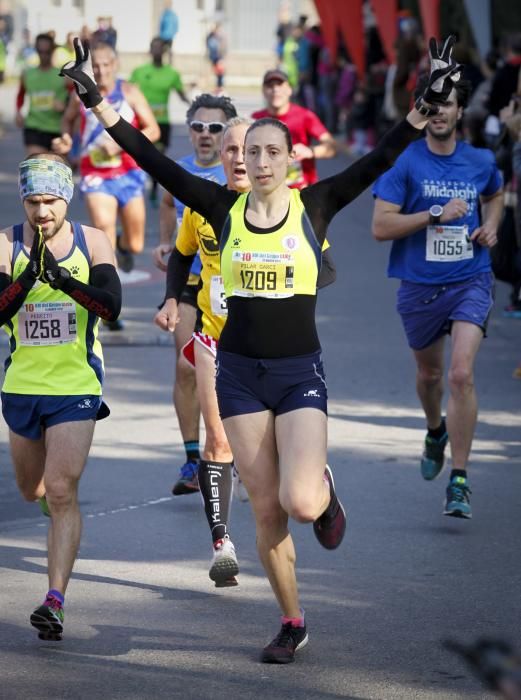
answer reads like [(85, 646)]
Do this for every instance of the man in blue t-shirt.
[(206, 118), (440, 205)]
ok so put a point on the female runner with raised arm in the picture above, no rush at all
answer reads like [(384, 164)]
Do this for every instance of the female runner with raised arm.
[(270, 381)]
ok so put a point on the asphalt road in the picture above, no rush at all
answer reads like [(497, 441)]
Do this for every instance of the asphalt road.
[(142, 617)]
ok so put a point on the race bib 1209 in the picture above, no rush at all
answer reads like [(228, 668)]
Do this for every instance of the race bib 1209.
[(263, 274)]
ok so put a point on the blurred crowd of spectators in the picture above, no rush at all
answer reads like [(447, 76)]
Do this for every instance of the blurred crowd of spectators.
[(360, 109)]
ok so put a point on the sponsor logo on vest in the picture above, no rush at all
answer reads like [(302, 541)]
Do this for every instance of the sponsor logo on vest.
[(290, 242)]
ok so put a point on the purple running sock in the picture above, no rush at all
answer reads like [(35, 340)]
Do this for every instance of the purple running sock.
[(56, 594)]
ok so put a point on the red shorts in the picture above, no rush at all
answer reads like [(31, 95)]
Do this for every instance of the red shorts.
[(206, 341)]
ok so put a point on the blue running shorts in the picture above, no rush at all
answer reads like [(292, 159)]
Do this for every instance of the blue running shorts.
[(123, 188), (248, 385), (29, 414), (428, 311)]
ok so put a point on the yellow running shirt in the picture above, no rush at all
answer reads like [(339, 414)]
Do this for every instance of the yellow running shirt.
[(196, 234)]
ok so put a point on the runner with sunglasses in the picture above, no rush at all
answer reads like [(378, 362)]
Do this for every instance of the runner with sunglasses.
[(205, 118), (269, 378)]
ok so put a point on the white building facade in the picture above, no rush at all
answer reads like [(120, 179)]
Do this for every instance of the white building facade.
[(250, 24)]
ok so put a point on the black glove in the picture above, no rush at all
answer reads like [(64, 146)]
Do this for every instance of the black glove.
[(33, 269), (445, 72), (52, 273), (81, 73)]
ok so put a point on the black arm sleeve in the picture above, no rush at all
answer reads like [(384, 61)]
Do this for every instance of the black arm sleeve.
[(325, 198), (12, 296), (206, 197), (177, 273), (327, 274), (102, 295)]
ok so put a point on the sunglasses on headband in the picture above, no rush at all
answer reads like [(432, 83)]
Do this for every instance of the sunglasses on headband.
[(213, 127)]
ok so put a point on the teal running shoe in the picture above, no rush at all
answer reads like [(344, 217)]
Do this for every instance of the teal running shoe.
[(48, 619), (512, 311), (44, 506), (433, 456), (457, 502)]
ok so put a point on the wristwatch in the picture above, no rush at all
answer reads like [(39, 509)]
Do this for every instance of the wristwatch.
[(426, 110), (435, 213)]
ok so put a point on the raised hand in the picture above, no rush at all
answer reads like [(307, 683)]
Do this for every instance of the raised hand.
[(444, 72), (81, 73), (33, 269)]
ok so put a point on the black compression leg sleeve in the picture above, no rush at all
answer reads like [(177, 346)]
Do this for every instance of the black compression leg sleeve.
[(215, 482)]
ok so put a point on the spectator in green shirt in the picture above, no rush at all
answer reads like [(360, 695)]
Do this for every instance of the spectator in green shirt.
[(156, 81)]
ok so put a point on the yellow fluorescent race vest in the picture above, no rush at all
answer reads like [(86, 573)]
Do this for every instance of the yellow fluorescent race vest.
[(273, 265), (54, 346)]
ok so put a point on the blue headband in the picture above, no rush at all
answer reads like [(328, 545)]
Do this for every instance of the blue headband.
[(44, 176)]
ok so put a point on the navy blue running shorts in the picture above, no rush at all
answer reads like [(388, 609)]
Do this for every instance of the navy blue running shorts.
[(28, 414), (428, 311), (248, 385)]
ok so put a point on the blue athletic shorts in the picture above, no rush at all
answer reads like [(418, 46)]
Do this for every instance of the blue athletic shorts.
[(123, 188), (29, 414), (247, 385), (428, 311)]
